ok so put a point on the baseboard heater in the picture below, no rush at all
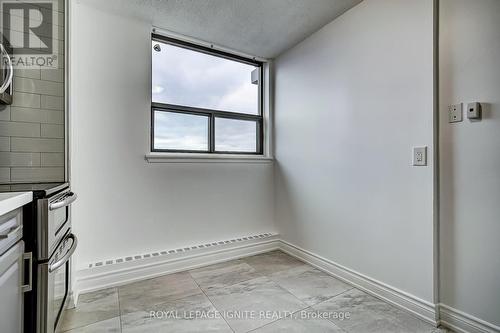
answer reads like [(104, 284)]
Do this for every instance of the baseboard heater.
[(183, 250)]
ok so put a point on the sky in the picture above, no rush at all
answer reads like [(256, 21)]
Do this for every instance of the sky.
[(184, 77)]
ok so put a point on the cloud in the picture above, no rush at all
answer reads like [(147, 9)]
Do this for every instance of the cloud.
[(244, 98), (201, 80), (235, 135), (157, 90), (180, 131)]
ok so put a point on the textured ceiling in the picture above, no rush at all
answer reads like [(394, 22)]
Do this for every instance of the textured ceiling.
[(262, 28)]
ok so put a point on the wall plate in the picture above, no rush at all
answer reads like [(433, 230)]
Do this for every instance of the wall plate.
[(474, 110), (419, 156), (455, 113)]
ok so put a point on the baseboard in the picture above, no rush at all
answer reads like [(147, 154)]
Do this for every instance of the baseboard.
[(462, 322), (418, 307), (116, 273)]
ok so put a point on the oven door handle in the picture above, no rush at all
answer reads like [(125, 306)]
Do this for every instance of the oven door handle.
[(66, 202), (66, 257)]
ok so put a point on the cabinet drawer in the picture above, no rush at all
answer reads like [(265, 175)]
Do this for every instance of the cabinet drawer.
[(11, 229)]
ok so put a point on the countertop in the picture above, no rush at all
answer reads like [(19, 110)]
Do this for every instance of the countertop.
[(12, 200)]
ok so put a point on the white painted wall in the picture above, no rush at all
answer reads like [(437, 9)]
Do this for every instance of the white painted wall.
[(351, 101), (126, 205), (470, 158)]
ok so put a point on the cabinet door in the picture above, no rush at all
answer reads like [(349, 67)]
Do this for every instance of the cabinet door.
[(11, 295)]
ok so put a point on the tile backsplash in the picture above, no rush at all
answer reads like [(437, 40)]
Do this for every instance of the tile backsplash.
[(32, 128)]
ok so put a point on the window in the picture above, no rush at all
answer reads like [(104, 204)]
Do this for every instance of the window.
[(203, 100)]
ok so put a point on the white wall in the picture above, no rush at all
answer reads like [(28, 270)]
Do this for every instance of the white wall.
[(351, 101), (125, 205), (470, 158)]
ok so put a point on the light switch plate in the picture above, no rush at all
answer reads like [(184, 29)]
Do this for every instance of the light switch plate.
[(455, 113), (419, 156)]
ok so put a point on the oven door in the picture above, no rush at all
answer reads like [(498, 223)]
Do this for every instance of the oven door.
[(53, 282), (53, 216)]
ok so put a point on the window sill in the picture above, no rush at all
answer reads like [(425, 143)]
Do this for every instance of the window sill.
[(206, 158)]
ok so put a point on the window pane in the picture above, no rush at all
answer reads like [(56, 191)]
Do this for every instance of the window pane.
[(190, 78), (180, 131), (235, 135)]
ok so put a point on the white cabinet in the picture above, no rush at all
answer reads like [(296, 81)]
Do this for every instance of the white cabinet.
[(11, 293), (12, 258)]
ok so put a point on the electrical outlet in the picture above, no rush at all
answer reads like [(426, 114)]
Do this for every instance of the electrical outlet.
[(455, 113), (419, 156)]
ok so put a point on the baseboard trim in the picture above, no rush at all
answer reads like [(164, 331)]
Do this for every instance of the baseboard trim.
[(101, 277), (418, 307), (462, 322)]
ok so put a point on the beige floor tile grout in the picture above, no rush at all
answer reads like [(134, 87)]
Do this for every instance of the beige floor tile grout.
[(84, 326), (246, 280), (265, 276), (261, 275), (329, 299), (95, 322), (211, 302), (379, 299), (257, 328), (119, 309), (173, 299)]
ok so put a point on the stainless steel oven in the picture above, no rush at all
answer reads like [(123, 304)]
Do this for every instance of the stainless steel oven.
[(47, 235), (56, 245)]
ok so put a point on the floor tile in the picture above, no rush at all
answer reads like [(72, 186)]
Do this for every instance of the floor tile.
[(254, 303), (138, 295), (223, 274), (369, 314), (190, 314), (245, 302), (309, 284), (272, 262), (106, 326), (92, 307), (301, 322)]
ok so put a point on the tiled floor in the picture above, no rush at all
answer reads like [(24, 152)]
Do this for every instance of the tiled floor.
[(271, 292)]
